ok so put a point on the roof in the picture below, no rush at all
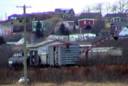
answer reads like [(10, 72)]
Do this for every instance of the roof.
[(41, 15), (67, 11), (4, 21), (48, 42), (14, 38), (116, 15), (69, 18), (19, 42), (44, 43), (90, 15)]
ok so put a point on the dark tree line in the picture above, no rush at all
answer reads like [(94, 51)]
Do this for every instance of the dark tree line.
[(63, 30), (2, 41)]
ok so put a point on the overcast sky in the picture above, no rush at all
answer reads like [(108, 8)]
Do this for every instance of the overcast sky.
[(8, 7)]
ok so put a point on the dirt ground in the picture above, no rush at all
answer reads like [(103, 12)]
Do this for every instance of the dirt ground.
[(75, 84)]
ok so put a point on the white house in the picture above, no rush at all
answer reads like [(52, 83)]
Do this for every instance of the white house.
[(124, 32)]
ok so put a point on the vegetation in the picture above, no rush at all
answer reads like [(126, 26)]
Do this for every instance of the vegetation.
[(120, 6), (2, 41), (62, 30), (50, 24), (39, 30), (99, 75)]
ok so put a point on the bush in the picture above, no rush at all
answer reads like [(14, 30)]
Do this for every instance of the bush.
[(64, 30), (2, 41)]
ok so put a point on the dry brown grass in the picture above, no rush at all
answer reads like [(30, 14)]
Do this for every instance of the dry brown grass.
[(99, 75)]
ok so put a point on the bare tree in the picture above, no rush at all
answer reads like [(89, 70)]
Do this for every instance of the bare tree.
[(99, 7), (114, 8), (121, 6), (51, 23), (86, 9), (108, 7)]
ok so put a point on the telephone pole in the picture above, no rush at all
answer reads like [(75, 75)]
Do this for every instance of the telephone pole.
[(24, 46)]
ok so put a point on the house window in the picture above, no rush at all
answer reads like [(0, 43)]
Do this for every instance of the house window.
[(116, 19), (13, 18)]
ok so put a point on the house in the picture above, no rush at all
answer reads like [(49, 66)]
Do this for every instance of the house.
[(117, 21), (124, 32), (117, 18), (83, 23), (66, 14), (90, 21), (17, 20), (65, 11)]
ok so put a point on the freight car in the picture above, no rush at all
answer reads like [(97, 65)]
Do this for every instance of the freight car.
[(101, 55), (58, 55), (63, 54)]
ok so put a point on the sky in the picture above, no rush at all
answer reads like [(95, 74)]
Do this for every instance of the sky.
[(8, 7)]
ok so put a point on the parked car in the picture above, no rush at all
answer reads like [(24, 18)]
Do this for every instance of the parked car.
[(17, 60)]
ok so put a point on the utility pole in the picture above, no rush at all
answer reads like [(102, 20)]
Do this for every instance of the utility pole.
[(24, 46)]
